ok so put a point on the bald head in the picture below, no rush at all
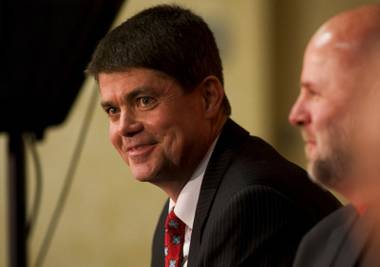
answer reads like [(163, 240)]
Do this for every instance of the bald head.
[(340, 98), (356, 31)]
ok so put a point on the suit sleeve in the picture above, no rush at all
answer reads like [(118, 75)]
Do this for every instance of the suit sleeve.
[(258, 227)]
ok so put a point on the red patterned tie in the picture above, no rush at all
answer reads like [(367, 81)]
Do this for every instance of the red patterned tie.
[(174, 238)]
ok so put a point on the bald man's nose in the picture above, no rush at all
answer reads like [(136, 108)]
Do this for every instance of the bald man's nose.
[(298, 115)]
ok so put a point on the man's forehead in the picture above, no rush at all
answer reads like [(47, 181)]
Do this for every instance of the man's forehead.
[(331, 73), (334, 56), (134, 77), (334, 42)]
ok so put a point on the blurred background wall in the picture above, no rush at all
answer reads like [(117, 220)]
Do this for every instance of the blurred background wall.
[(261, 44)]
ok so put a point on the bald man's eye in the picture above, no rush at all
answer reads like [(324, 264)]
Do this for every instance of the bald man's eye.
[(146, 102), (311, 92), (314, 94)]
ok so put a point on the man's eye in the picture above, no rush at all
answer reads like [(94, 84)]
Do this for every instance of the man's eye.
[(312, 92), (145, 102), (309, 92), (111, 111)]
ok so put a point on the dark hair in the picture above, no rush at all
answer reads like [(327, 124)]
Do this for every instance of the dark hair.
[(166, 38)]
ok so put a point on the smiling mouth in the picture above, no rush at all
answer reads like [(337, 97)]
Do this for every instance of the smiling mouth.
[(309, 142), (140, 150)]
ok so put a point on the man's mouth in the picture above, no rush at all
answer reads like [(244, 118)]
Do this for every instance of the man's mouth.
[(140, 149)]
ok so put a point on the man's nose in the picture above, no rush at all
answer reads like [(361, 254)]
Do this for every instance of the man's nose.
[(298, 115), (129, 125)]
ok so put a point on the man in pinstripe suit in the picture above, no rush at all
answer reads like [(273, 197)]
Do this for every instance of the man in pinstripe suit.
[(161, 84)]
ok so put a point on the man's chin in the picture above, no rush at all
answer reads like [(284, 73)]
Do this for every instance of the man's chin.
[(322, 172), (143, 178), (315, 179), (143, 174), (312, 175)]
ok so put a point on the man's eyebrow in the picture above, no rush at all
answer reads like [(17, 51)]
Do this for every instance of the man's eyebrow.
[(306, 84), (106, 104)]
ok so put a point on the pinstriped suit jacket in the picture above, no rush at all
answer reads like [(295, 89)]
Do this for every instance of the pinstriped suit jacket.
[(254, 206)]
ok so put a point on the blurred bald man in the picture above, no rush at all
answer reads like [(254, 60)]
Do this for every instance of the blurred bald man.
[(338, 113)]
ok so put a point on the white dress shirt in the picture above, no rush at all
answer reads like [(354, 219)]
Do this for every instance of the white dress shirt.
[(187, 200)]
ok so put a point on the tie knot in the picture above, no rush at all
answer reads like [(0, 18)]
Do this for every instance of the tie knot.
[(174, 224)]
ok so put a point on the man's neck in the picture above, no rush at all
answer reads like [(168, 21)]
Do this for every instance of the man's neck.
[(174, 186)]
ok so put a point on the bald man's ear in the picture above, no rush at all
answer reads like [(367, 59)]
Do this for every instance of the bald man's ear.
[(213, 94)]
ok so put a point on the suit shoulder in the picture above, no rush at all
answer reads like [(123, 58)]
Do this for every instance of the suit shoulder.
[(257, 224), (319, 246), (255, 162), (341, 218)]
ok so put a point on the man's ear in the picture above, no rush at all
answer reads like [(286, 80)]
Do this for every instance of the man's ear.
[(213, 95)]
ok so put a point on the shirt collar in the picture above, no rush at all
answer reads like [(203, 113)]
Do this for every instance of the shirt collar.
[(188, 197)]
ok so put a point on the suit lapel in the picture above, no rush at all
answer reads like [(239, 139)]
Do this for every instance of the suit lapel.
[(337, 241), (158, 257), (232, 135), (356, 239)]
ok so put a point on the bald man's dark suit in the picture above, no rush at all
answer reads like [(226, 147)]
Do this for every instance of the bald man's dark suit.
[(254, 206), (342, 239)]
